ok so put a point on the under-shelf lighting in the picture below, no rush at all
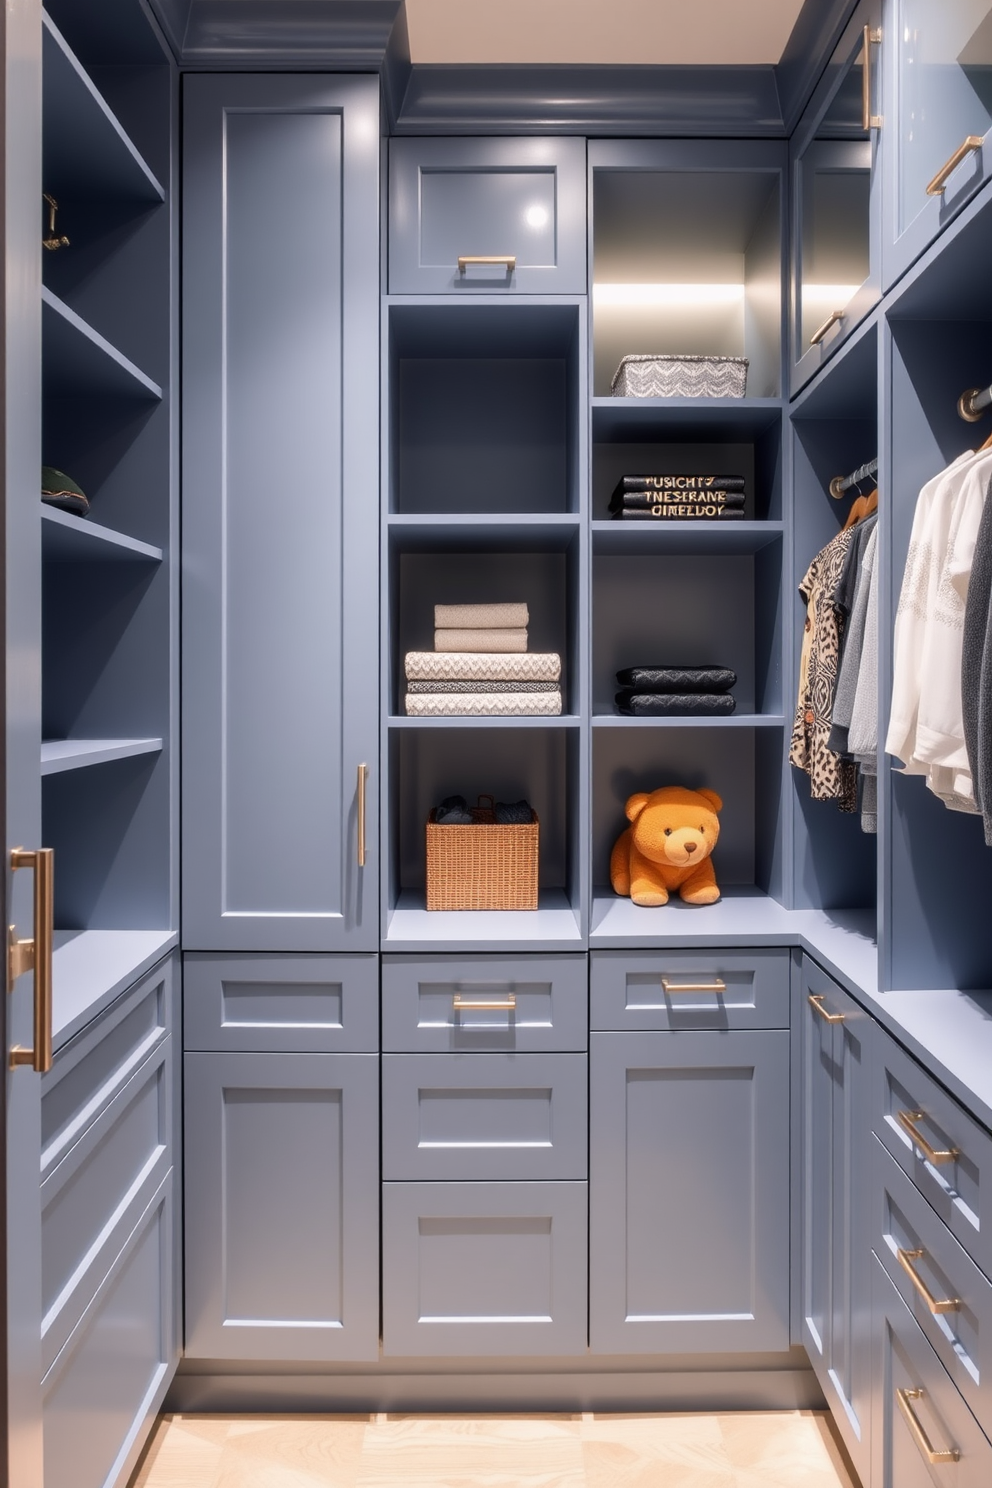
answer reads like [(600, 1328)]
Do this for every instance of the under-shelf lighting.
[(680, 296), (832, 296)]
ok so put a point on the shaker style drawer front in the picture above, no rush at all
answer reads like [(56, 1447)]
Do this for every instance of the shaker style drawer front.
[(937, 1144), (494, 1116), (689, 989), (943, 1289), (483, 1269), (275, 1004), (480, 1003), (923, 1434), (487, 216)]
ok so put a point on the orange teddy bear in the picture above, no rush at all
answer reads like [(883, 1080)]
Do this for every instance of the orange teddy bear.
[(668, 846)]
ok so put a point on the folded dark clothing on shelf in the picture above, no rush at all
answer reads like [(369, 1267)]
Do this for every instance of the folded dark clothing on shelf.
[(677, 512), (677, 679), (634, 500), (514, 813), (677, 483), (672, 704), (458, 684), (453, 812)]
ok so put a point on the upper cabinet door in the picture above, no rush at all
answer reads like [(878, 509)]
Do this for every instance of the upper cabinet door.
[(280, 501), (940, 66), (837, 206), (487, 215)]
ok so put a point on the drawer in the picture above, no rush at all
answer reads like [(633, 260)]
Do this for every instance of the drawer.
[(90, 1070), (943, 1289), (930, 1419), (689, 989), (522, 198), (938, 1145), (477, 1269), (493, 1116), (537, 1003), (275, 1004)]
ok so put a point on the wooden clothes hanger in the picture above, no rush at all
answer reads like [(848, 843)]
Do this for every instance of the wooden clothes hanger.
[(861, 508)]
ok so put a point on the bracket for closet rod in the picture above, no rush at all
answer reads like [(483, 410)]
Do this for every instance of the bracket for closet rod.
[(841, 484), (973, 403)]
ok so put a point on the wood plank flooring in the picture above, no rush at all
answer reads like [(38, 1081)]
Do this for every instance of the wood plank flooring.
[(784, 1449)]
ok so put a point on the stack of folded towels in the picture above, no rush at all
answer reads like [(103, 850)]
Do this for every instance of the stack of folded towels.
[(480, 667), (665, 691), (678, 498)]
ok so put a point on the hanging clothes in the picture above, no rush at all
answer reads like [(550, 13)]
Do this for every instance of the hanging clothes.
[(831, 777), (863, 729), (976, 669)]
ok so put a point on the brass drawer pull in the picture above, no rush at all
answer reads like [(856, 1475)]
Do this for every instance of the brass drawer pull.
[(35, 955), (716, 985), (831, 320), (868, 119), (815, 1000), (936, 1305), (907, 1120), (938, 184), (487, 1004), (508, 260), (903, 1399), (363, 775)]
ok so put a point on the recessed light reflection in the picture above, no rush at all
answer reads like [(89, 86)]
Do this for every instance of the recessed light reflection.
[(667, 294), (536, 216), (837, 294)]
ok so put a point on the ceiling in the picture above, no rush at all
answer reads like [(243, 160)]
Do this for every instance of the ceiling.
[(601, 32)]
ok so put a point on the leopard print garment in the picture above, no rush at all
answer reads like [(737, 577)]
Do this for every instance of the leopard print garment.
[(831, 777)]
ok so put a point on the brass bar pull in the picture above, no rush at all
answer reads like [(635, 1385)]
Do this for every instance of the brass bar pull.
[(831, 320), (36, 955), (903, 1400), (488, 1004), (716, 985), (508, 260), (363, 775), (936, 1305), (815, 1000), (55, 240), (868, 119), (907, 1120), (938, 185)]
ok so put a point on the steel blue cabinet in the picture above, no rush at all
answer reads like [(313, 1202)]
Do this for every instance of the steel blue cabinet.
[(478, 1004), (280, 554), (836, 1189), (282, 1206), (291, 1004), (939, 64), (689, 1192), (518, 203)]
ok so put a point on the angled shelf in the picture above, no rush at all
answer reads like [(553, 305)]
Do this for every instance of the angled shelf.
[(92, 967), (58, 755), (69, 539), (86, 152), (635, 420), (78, 362), (711, 538), (690, 720), (554, 925)]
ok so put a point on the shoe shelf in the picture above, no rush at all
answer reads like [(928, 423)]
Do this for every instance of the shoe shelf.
[(58, 755), (66, 538)]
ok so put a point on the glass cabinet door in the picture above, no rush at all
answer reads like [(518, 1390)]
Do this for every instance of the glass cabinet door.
[(942, 89)]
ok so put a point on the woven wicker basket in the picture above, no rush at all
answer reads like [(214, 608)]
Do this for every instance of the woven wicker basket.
[(482, 866)]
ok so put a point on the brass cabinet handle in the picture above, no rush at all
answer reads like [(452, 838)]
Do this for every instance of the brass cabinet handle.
[(35, 955), (903, 1399), (815, 1000), (907, 1120), (831, 320), (938, 184), (363, 775), (508, 260), (487, 1004), (935, 1304), (716, 985), (868, 119)]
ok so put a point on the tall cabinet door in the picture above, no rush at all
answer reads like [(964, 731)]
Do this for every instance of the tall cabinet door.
[(280, 501)]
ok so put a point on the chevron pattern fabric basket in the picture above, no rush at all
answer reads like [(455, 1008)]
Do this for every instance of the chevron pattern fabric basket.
[(680, 377)]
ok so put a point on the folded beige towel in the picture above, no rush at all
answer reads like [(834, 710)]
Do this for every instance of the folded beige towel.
[(481, 617), (531, 666), (480, 640), (483, 704)]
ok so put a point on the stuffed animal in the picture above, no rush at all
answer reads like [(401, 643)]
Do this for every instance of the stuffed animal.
[(668, 846)]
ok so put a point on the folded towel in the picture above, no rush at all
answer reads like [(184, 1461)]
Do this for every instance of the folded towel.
[(481, 617), (449, 684), (475, 666), (677, 678), (672, 704), (480, 640), (483, 704)]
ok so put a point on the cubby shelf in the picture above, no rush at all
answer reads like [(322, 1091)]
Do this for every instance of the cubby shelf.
[(78, 362), (529, 531), (742, 916), (86, 152), (711, 538), (91, 967), (461, 720), (553, 925), (58, 755), (69, 539), (631, 420), (735, 720)]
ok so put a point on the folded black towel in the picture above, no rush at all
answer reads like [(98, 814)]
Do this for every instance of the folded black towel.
[(706, 678), (453, 812), (674, 704), (513, 813)]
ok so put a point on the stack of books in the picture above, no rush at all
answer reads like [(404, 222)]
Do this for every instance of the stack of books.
[(678, 498)]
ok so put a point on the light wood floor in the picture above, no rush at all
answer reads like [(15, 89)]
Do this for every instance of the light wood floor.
[(788, 1449)]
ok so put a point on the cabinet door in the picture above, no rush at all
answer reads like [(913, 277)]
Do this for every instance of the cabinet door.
[(836, 1179), (280, 488), (282, 1206), (940, 64), (689, 1192)]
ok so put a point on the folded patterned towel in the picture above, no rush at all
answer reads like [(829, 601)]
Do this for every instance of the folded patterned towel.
[(481, 617), (483, 704), (476, 666), (677, 678), (480, 640), (475, 685), (672, 704)]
